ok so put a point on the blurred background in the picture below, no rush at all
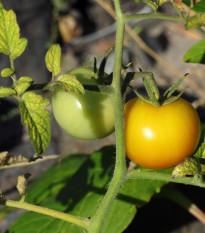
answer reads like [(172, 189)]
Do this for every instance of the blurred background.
[(86, 29)]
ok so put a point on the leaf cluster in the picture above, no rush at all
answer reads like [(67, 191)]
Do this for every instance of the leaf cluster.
[(33, 107)]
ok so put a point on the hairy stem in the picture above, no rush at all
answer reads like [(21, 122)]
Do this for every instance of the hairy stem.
[(140, 174), (82, 222), (14, 78), (154, 16), (120, 165), (47, 86)]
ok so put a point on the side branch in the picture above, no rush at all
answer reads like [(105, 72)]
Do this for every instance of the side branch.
[(81, 222), (154, 16), (139, 174), (42, 159)]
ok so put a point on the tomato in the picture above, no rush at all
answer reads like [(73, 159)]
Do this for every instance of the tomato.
[(160, 137), (89, 116)]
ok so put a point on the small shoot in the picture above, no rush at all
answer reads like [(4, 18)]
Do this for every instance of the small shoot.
[(22, 185), (10, 42), (66, 81), (53, 59), (153, 4)]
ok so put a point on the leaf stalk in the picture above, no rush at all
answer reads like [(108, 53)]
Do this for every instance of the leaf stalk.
[(154, 16), (82, 222)]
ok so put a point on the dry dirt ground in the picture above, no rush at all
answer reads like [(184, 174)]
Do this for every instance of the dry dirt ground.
[(93, 34)]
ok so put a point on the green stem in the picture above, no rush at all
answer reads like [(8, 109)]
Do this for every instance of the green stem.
[(23, 197), (12, 68), (173, 194), (47, 86), (11, 63), (150, 86), (140, 174), (82, 222), (154, 16), (120, 166), (53, 77), (38, 86)]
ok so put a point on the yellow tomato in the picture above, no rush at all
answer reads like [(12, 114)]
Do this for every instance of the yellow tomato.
[(160, 137)]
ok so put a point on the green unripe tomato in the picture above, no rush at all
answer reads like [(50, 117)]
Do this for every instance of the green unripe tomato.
[(89, 116)]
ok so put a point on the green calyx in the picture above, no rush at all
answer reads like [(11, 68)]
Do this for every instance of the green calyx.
[(93, 78), (153, 96)]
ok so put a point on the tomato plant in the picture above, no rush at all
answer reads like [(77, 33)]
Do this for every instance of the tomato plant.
[(159, 131), (160, 136), (89, 116)]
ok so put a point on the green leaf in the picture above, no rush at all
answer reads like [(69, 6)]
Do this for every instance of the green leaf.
[(10, 42), (199, 6), (144, 98), (6, 91), (85, 75), (151, 4), (6, 72), (174, 98), (200, 153), (77, 186), (53, 57), (101, 75), (196, 54), (189, 167), (165, 99), (174, 87), (23, 84), (25, 79), (129, 77), (36, 117), (196, 21), (19, 47), (69, 83)]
